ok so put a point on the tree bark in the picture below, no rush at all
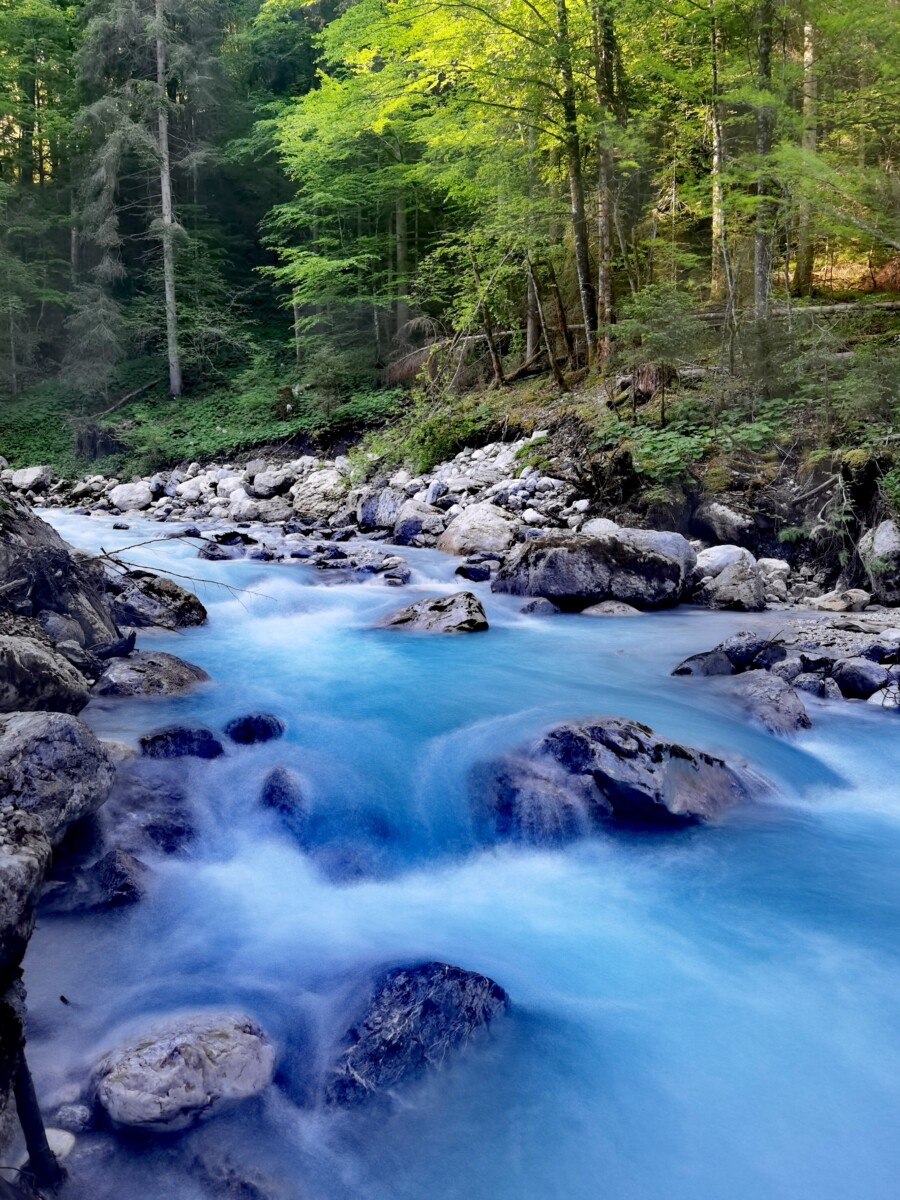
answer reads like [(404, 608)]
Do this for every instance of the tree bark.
[(572, 145), (720, 284), (168, 211), (554, 366), (402, 255), (764, 120), (532, 323), (496, 362), (806, 247)]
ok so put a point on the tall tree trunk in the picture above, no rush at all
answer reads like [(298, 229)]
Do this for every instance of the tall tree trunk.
[(572, 145), (564, 329), (604, 251), (532, 323), (720, 282), (168, 210), (402, 253), (762, 247), (806, 246)]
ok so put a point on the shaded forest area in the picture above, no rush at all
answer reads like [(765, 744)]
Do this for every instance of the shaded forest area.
[(233, 221)]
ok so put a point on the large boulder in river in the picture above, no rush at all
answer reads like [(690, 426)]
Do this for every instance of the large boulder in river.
[(459, 613), (128, 497), (589, 773), (147, 599), (479, 527), (414, 1018), (40, 573), (184, 1070), (149, 673), (879, 551), (737, 587), (713, 561), (637, 566), (34, 677), (51, 765), (320, 492)]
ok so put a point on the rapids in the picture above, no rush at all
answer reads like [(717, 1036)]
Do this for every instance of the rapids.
[(701, 1015)]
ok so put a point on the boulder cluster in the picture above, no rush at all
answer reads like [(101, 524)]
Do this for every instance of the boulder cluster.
[(487, 505)]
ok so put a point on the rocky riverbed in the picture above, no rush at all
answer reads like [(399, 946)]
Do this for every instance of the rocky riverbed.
[(314, 878)]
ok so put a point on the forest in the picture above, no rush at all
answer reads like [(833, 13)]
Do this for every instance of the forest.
[(227, 222)]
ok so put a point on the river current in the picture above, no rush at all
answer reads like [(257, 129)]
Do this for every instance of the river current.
[(709, 1014)]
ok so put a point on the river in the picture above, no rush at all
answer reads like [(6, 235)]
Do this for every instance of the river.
[(709, 1014)]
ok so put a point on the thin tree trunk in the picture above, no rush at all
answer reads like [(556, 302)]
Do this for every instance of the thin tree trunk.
[(576, 179), (402, 252), (168, 211), (496, 362), (604, 253), (41, 1160), (532, 323), (298, 348), (806, 246), (765, 206), (719, 282), (561, 317), (554, 366)]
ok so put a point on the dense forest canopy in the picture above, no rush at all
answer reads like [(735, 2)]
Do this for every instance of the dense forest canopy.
[(332, 197)]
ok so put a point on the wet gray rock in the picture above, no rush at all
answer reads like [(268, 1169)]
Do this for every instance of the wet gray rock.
[(40, 573), (415, 519), (708, 662), (859, 678), (181, 741), (149, 673), (737, 587), (636, 566), (540, 607), (459, 613), (415, 1017), (611, 608), (36, 677), (25, 854), (184, 1070), (146, 600), (117, 880), (148, 810), (771, 701), (590, 773), (52, 766)]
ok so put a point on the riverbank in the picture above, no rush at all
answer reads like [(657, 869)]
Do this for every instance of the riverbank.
[(383, 730)]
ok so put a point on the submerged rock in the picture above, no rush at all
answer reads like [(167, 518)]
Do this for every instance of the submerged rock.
[(148, 809), (35, 677), (540, 607), (116, 880), (181, 741), (636, 566), (255, 727), (149, 673), (771, 701), (282, 792), (460, 613), (609, 769), (52, 766), (611, 608), (414, 1018), (184, 1070)]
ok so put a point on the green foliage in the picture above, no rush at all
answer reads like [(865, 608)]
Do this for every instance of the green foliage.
[(791, 535)]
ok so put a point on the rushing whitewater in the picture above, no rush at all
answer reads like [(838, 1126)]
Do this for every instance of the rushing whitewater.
[(708, 1014)]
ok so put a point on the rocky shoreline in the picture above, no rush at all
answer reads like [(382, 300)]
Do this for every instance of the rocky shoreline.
[(68, 629), (500, 507)]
